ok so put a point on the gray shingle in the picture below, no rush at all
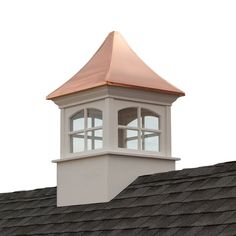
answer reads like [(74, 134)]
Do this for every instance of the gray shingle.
[(198, 201)]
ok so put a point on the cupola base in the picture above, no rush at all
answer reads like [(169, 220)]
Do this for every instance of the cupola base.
[(99, 178)]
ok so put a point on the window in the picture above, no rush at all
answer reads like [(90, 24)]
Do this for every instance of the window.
[(86, 130), (139, 129)]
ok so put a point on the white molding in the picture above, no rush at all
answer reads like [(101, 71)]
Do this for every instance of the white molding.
[(84, 102), (141, 101), (115, 97), (95, 153), (124, 94)]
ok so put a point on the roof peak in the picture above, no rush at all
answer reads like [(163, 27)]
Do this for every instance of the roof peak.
[(114, 32), (116, 64)]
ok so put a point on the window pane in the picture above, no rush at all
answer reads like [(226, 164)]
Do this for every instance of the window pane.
[(77, 143), (94, 118), (94, 139), (150, 141), (128, 117), (77, 121), (128, 139), (150, 120)]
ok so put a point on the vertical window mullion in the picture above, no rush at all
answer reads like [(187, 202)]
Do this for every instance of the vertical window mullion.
[(85, 130), (139, 129), (93, 134), (143, 140), (71, 143), (93, 139)]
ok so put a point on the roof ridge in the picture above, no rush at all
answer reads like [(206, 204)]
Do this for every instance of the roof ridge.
[(178, 181), (184, 175), (111, 56)]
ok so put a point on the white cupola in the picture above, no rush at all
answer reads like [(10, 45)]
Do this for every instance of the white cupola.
[(115, 125)]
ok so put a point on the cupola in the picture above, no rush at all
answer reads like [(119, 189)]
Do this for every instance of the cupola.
[(115, 125)]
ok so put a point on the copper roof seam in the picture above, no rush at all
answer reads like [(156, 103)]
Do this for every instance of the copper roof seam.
[(145, 88), (109, 67)]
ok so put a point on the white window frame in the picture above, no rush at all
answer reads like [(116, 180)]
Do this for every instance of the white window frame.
[(140, 130), (85, 130)]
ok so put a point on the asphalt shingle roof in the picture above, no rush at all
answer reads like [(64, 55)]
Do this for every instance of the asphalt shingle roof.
[(198, 201)]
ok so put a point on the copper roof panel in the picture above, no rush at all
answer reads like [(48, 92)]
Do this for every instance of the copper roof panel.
[(115, 63)]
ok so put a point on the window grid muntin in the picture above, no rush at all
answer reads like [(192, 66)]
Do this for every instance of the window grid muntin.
[(141, 130), (93, 120), (85, 131), (94, 138), (146, 135)]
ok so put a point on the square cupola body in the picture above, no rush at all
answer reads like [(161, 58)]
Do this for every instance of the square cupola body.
[(115, 125)]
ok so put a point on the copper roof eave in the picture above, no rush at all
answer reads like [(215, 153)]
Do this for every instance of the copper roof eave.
[(178, 93), (108, 83), (55, 94)]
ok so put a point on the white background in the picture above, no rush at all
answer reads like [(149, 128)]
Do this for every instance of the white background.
[(43, 43)]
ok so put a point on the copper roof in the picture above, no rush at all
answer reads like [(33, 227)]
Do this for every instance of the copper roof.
[(116, 64)]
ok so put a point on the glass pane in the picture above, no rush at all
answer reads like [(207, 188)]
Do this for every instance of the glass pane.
[(77, 121), (150, 120), (128, 139), (94, 139), (77, 143), (150, 141), (128, 117), (94, 118)]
